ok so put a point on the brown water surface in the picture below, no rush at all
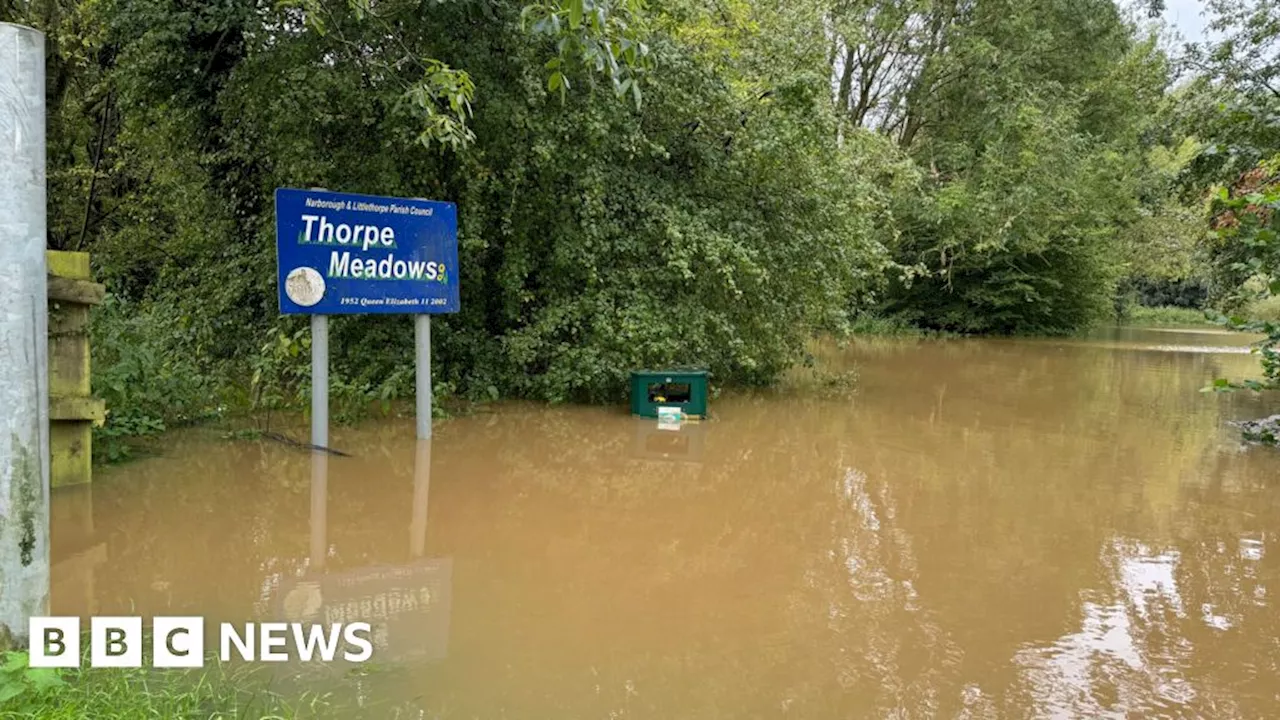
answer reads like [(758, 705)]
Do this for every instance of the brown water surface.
[(983, 528)]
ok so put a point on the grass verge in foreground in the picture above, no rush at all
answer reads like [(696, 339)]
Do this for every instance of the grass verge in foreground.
[(210, 693)]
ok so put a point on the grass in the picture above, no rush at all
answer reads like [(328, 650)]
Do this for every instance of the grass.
[(1165, 316), (211, 693), (889, 326), (809, 379), (1267, 309), (884, 326)]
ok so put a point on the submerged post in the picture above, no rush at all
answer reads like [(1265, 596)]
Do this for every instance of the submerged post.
[(422, 360), (24, 381), (421, 498), (320, 381), (319, 510)]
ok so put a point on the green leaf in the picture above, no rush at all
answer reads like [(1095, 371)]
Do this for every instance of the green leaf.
[(45, 679), (575, 14), (10, 691), (14, 662)]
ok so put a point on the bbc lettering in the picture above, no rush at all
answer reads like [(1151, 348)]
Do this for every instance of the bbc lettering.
[(178, 642)]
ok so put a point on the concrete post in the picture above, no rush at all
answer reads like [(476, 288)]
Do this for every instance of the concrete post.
[(24, 318)]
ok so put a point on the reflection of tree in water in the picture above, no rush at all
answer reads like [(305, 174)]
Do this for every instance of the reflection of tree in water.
[(165, 519), (659, 588), (1103, 669), (212, 527), (891, 651), (1188, 630), (927, 547), (1007, 483)]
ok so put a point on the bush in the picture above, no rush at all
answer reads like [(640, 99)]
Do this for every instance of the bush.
[(148, 380), (1158, 316), (1266, 309), (1190, 293), (1018, 238), (872, 324), (717, 225)]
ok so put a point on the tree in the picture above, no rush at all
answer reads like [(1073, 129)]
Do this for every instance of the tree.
[(710, 218), (1030, 152)]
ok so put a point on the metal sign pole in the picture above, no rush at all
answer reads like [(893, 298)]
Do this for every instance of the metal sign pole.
[(319, 439), (320, 377), (319, 509), (422, 341), (421, 498), (320, 380)]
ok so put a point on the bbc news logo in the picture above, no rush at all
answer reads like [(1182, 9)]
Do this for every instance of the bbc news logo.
[(179, 642)]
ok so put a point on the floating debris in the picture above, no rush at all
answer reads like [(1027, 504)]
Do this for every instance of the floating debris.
[(1265, 431)]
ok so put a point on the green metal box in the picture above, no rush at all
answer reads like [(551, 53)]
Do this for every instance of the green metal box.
[(683, 388)]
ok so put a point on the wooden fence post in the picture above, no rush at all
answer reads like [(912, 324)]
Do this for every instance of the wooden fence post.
[(72, 410)]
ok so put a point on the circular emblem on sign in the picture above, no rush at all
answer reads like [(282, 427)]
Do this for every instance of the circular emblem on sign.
[(304, 286)]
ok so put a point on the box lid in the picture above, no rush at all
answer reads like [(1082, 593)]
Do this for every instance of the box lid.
[(672, 371)]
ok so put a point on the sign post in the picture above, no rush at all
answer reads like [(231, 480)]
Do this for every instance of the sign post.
[(422, 376), (320, 380), (421, 498), (345, 254)]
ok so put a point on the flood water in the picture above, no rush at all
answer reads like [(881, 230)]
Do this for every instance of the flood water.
[(981, 528)]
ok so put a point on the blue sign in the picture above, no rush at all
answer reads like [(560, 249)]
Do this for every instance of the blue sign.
[(338, 253)]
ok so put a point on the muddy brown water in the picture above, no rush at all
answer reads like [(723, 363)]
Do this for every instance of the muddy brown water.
[(982, 528)]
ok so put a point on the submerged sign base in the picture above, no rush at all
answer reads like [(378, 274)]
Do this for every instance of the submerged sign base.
[(407, 606)]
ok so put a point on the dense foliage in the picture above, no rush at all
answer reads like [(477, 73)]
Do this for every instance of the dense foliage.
[(1027, 116), (1230, 111), (682, 181)]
